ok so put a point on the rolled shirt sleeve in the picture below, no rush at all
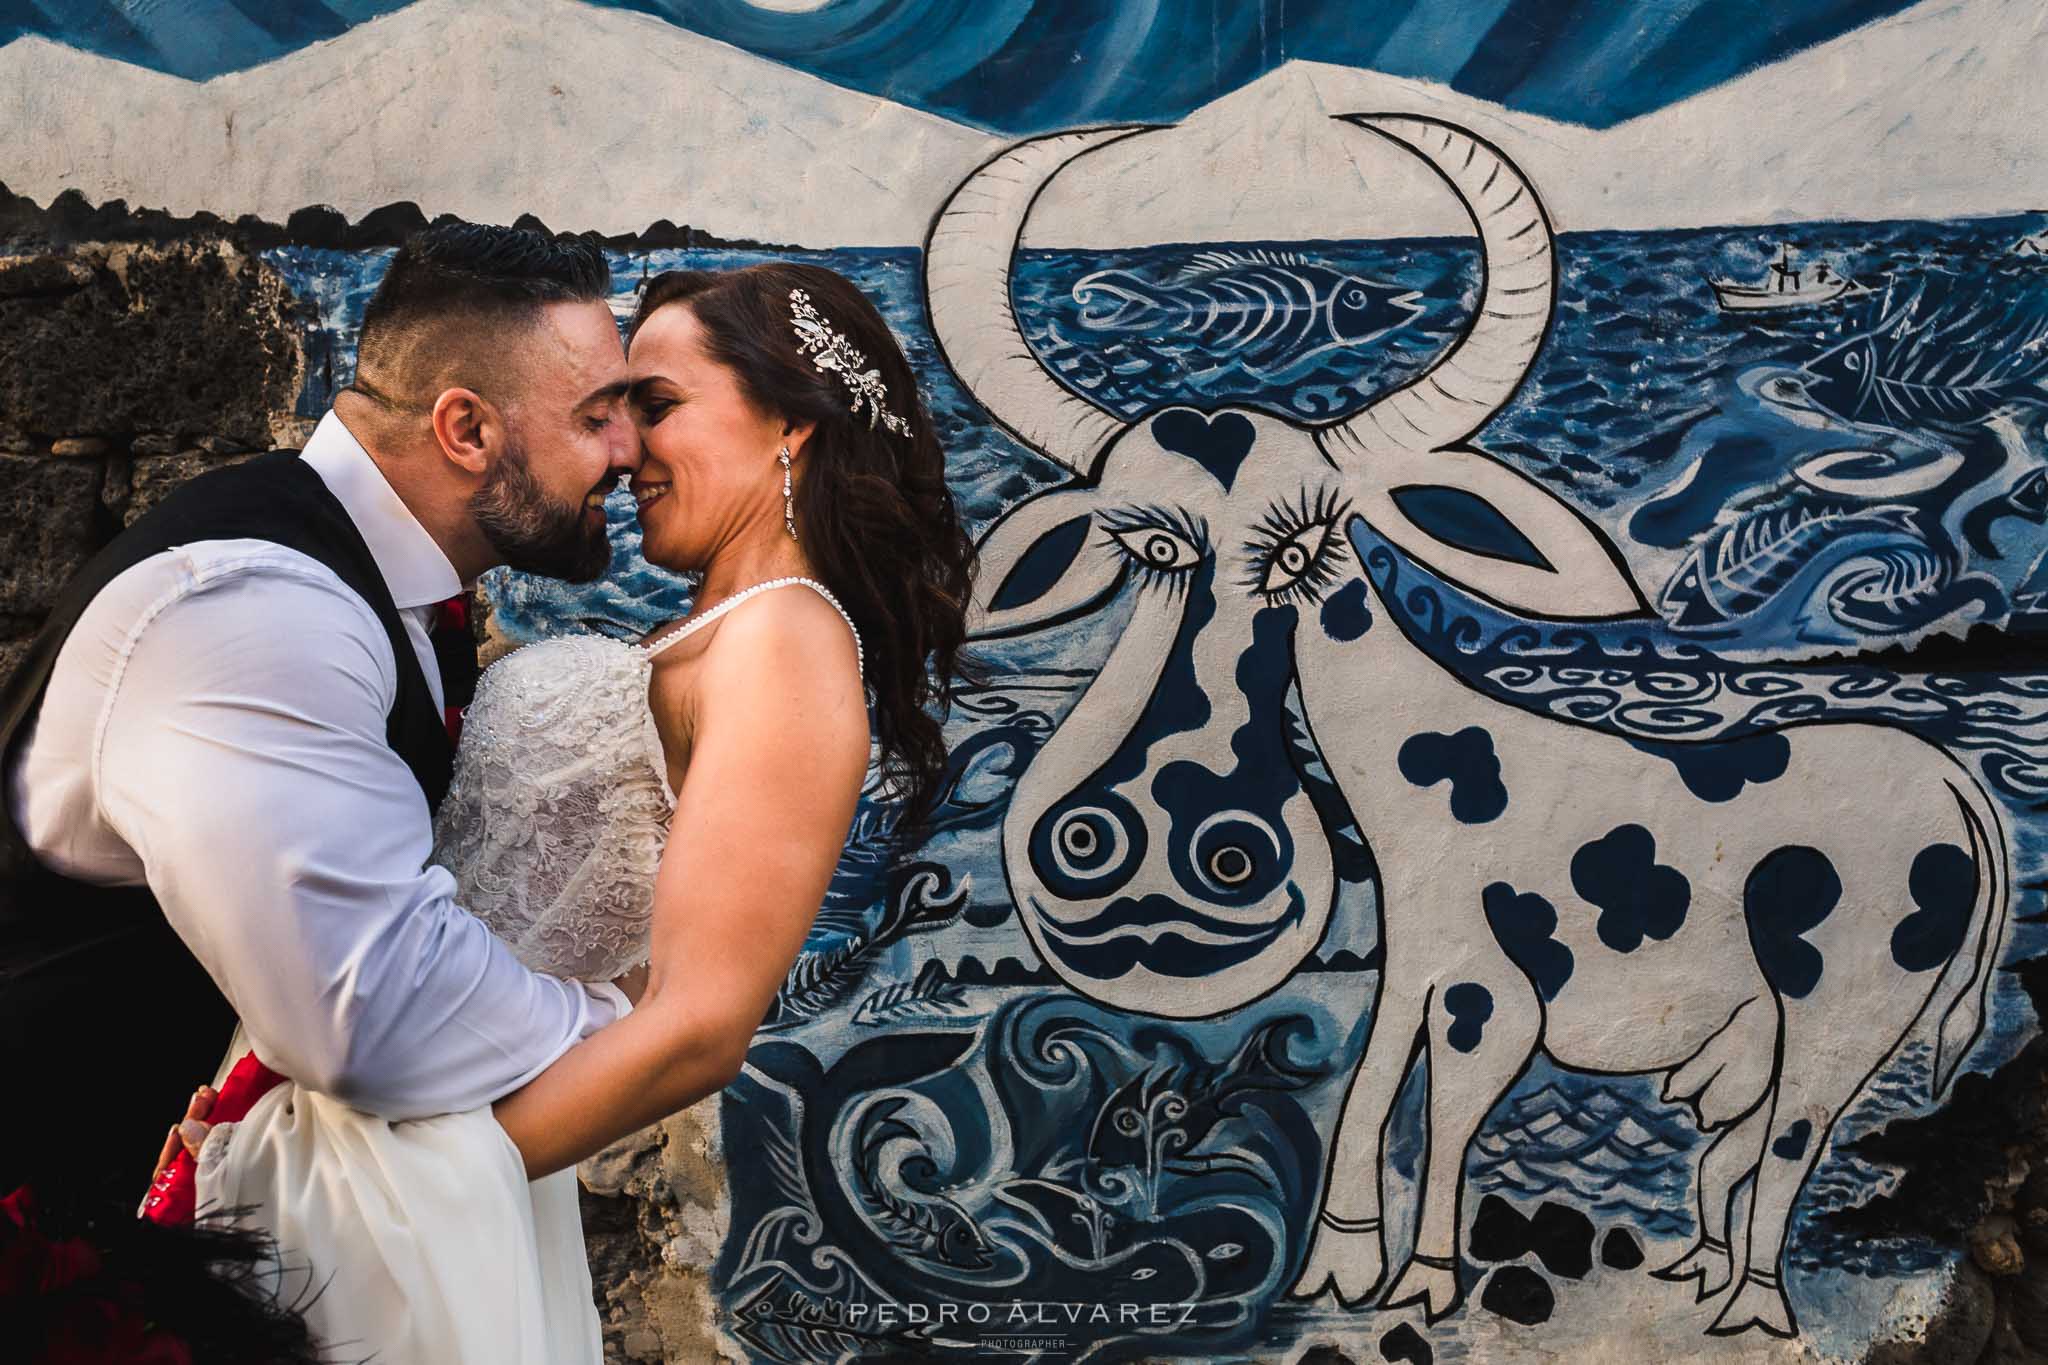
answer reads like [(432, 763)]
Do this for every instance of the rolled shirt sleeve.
[(241, 754)]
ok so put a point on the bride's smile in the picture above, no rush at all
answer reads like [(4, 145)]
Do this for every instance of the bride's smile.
[(708, 441)]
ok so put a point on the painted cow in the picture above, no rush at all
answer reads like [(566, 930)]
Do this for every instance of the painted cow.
[(1763, 919)]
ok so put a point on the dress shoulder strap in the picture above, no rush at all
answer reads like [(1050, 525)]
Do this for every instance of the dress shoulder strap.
[(696, 623)]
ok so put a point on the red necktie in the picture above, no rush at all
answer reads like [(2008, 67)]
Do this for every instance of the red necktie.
[(452, 615)]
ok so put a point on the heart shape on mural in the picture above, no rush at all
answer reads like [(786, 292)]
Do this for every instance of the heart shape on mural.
[(1218, 444)]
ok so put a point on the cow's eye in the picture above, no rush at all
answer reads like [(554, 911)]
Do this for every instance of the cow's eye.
[(1297, 550), (1158, 549), (1297, 558), (1164, 543)]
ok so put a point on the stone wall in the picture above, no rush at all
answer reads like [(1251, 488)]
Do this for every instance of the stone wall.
[(125, 369)]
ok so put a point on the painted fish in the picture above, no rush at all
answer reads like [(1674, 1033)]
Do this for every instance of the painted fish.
[(1268, 310), (931, 1227), (1952, 368), (873, 1214), (1740, 567), (1900, 588), (2026, 500), (1158, 1118)]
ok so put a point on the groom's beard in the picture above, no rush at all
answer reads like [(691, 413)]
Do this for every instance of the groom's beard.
[(533, 532)]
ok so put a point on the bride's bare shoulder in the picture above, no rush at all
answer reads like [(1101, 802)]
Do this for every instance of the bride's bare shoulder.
[(788, 649), (791, 635)]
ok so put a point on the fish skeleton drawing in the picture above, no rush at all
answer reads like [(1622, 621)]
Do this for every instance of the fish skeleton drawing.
[(929, 1226), (1264, 308), (1954, 367), (1740, 567)]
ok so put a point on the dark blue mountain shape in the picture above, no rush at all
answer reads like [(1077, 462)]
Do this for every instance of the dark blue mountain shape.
[(1009, 971), (1026, 66)]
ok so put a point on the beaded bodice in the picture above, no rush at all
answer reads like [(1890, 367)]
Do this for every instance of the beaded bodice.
[(554, 824)]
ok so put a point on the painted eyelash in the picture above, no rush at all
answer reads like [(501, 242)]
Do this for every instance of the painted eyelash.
[(1152, 515), (1281, 523), (1155, 517)]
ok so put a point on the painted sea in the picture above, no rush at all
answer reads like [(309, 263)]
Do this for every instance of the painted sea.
[(1795, 491)]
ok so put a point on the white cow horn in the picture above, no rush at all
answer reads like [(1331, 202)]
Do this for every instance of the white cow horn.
[(967, 263), (1477, 376)]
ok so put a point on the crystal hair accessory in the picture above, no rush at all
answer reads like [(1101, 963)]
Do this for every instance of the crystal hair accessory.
[(830, 350)]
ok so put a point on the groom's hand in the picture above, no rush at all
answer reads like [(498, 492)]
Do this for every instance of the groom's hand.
[(633, 983)]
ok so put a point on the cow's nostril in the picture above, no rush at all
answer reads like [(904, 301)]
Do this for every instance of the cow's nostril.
[(1090, 848), (1230, 865), (1235, 856), (1087, 839)]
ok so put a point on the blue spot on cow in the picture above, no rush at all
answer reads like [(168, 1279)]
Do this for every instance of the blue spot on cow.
[(1041, 566), (1789, 892), (1524, 926), (1218, 444), (1230, 844), (1718, 770), (1791, 1144), (1470, 1005), (1944, 885), (1346, 615), (1093, 808), (1468, 761), (1635, 894)]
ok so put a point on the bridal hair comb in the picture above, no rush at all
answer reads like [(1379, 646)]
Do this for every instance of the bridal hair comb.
[(830, 350)]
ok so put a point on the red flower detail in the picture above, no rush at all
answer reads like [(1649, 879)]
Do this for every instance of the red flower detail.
[(83, 1321), (19, 1208)]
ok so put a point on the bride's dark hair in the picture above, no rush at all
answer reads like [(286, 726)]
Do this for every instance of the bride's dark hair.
[(876, 518)]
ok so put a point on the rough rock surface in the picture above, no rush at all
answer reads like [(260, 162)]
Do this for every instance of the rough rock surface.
[(113, 339), (125, 369), (655, 1212), (49, 513), (151, 480)]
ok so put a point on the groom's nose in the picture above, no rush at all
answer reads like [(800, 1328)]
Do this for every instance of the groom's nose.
[(624, 448)]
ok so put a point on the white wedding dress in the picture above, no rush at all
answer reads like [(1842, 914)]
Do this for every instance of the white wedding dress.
[(423, 1239)]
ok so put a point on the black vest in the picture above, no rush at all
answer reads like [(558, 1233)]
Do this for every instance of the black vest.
[(107, 1021)]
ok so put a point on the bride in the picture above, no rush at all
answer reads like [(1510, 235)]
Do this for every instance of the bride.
[(667, 812)]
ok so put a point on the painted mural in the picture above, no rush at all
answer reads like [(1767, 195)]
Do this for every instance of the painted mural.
[(1517, 740)]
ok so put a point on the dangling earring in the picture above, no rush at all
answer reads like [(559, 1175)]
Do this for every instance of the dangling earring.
[(788, 502)]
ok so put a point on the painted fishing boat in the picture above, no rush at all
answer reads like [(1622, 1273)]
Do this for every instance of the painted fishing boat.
[(1786, 288)]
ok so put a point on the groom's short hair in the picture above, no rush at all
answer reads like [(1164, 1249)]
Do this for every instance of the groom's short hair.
[(453, 299)]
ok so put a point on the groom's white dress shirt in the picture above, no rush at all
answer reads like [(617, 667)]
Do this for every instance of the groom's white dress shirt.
[(215, 728)]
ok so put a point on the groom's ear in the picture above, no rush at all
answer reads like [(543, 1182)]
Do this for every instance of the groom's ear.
[(466, 427)]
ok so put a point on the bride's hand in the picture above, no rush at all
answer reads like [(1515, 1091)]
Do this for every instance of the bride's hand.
[(633, 983), (189, 1133)]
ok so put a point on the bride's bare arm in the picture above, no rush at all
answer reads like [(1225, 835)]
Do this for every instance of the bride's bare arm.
[(778, 747)]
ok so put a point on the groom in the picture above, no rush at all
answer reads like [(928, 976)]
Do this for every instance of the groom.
[(223, 752)]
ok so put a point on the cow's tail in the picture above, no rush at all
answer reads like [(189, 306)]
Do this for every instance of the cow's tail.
[(1963, 994)]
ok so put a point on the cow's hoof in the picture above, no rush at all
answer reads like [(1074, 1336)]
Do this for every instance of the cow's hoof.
[(1759, 1303), (1708, 1262), (1350, 1263), (1435, 1287)]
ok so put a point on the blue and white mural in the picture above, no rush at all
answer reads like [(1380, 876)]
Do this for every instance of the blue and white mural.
[(1517, 741)]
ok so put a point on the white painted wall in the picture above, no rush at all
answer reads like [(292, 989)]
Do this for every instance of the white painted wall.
[(595, 118)]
